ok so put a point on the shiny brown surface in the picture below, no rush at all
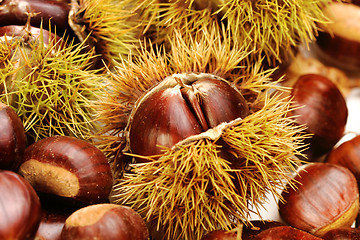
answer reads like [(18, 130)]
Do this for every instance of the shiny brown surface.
[(12, 138), (79, 158), (49, 14), (105, 222), (324, 193), (20, 207), (322, 109)]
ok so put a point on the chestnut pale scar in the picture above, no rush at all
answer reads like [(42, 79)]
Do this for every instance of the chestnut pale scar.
[(49, 178), (95, 211)]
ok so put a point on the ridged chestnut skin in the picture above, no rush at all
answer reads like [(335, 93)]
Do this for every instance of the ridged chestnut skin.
[(347, 154), (245, 232), (221, 235), (276, 232), (257, 226), (284, 233), (52, 220), (173, 114), (105, 222), (342, 234), (325, 196), (14, 12), (68, 168), (322, 109), (20, 207), (12, 138)]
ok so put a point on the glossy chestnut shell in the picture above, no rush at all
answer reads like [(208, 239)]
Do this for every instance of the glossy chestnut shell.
[(322, 109), (49, 14), (339, 44), (12, 138), (347, 155), (20, 207), (172, 113), (68, 168), (105, 222), (325, 197)]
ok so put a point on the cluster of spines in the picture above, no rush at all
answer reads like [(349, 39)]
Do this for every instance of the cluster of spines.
[(50, 85)]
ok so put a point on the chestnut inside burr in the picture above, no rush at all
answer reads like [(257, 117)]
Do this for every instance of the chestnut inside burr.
[(185, 108)]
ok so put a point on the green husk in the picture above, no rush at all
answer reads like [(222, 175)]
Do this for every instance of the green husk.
[(50, 85)]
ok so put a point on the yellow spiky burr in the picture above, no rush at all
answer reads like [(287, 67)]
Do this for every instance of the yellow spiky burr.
[(208, 180), (273, 29), (111, 26), (48, 81)]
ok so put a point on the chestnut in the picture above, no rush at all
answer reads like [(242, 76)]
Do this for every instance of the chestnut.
[(166, 116), (322, 109), (347, 233), (105, 221), (338, 45), (52, 220), (29, 33), (49, 14), (257, 226), (12, 138), (68, 168), (20, 207), (222, 235), (243, 232), (284, 233), (347, 154), (324, 196)]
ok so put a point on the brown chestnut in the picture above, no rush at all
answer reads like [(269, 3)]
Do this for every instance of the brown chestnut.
[(347, 154), (20, 207), (68, 168), (257, 226), (284, 233), (12, 138), (322, 109), (338, 45), (347, 233), (29, 34), (105, 222), (52, 220), (243, 232), (50, 14), (325, 196), (172, 113)]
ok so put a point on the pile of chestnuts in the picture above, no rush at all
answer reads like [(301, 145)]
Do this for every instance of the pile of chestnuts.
[(59, 187), (50, 188)]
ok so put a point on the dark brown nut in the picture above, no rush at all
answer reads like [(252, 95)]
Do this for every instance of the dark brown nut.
[(347, 155), (68, 168), (284, 233), (325, 197), (347, 233), (105, 222), (20, 207), (12, 138), (322, 109)]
